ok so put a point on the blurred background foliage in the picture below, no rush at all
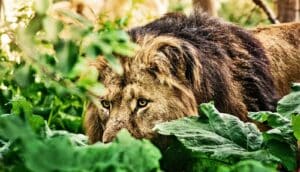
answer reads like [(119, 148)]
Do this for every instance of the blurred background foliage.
[(244, 13)]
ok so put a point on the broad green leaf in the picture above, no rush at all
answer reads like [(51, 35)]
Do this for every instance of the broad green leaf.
[(279, 140), (273, 119), (281, 126), (245, 134), (290, 104), (285, 152), (296, 126), (222, 138), (247, 166)]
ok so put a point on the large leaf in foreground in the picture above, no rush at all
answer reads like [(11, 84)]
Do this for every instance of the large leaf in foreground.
[(247, 166), (280, 139), (60, 152), (222, 138), (296, 126), (290, 104)]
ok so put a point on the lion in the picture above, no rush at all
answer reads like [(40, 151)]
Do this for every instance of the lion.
[(184, 61)]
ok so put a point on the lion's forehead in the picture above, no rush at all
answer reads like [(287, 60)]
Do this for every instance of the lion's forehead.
[(129, 87)]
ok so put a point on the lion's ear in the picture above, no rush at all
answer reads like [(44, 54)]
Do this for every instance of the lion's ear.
[(180, 61)]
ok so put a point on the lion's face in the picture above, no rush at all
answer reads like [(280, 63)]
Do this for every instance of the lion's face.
[(146, 94), (139, 105)]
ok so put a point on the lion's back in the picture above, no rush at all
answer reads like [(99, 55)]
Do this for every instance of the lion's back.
[(282, 45)]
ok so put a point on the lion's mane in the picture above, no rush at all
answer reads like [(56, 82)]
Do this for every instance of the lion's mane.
[(234, 73)]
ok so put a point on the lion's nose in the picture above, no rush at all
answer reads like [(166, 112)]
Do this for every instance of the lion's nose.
[(113, 127), (107, 137)]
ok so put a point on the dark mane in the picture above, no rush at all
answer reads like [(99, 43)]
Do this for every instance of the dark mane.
[(227, 53)]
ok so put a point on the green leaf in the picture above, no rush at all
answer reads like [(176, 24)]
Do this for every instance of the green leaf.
[(105, 47), (21, 107), (222, 138), (88, 76), (296, 126), (70, 122), (41, 6), (248, 166), (12, 127), (87, 24), (125, 49), (114, 63), (279, 140), (37, 123), (285, 152), (34, 25), (67, 53), (245, 134), (24, 76), (52, 28), (97, 89), (290, 104), (273, 120)]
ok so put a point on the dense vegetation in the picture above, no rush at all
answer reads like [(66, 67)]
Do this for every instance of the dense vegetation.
[(46, 84)]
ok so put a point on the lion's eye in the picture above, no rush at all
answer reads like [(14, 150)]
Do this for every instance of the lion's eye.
[(105, 104), (142, 102)]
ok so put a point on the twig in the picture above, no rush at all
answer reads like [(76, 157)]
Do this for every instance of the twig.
[(267, 10)]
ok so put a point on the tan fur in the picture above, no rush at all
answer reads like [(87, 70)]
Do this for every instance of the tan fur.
[(282, 44)]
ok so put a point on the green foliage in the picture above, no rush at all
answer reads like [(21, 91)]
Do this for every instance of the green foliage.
[(289, 104), (218, 137), (247, 166), (51, 71), (217, 140), (279, 140), (61, 152), (296, 126), (244, 13)]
